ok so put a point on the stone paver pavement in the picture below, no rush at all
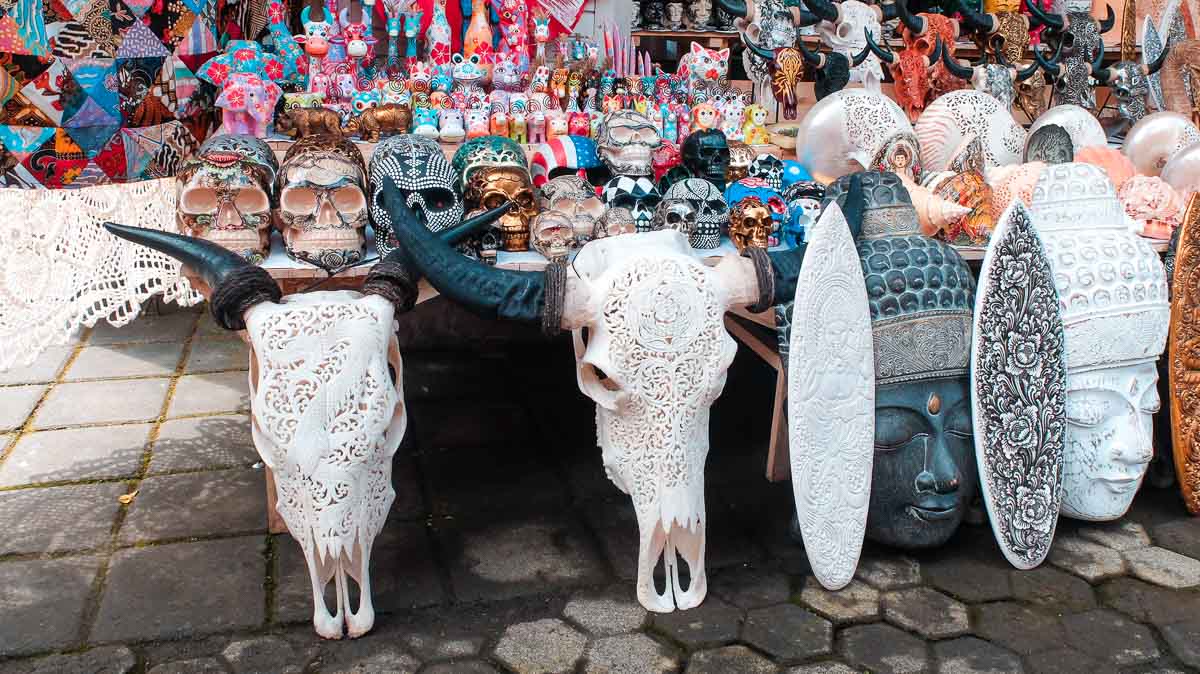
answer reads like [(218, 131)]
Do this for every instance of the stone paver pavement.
[(135, 540)]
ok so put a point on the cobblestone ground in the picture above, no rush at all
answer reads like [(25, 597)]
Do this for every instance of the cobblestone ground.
[(132, 505)]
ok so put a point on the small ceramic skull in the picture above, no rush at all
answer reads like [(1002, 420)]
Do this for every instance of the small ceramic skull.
[(676, 214), (627, 139), (492, 187), (711, 211), (740, 157), (419, 169), (572, 196), (552, 235), (769, 168), (322, 203), (706, 155), (226, 192), (639, 195), (751, 224)]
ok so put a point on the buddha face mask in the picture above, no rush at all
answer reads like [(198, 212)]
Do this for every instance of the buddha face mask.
[(322, 203), (226, 192)]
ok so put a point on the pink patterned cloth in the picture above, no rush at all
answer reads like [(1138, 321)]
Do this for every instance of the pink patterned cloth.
[(1155, 205)]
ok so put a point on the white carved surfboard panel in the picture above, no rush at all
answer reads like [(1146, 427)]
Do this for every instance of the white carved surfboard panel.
[(1018, 382), (831, 402)]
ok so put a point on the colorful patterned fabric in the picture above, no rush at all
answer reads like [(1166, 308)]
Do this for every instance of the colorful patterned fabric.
[(102, 91)]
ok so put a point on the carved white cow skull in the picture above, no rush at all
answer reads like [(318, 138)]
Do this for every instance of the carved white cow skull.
[(327, 418), (659, 338)]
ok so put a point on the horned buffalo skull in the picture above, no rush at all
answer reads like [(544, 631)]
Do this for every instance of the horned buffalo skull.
[(1082, 36), (912, 71), (327, 403), (997, 80), (653, 358), (1130, 82)]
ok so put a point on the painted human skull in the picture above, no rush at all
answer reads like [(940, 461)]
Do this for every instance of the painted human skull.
[(494, 186), (568, 155), (751, 224), (771, 198), (675, 214), (226, 192), (322, 203), (553, 235), (1113, 297), (769, 168), (626, 142), (639, 195), (711, 211), (740, 157), (706, 155), (419, 169), (803, 200), (572, 196), (486, 152)]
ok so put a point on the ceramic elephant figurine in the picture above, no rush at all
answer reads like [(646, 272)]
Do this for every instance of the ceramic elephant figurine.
[(248, 102)]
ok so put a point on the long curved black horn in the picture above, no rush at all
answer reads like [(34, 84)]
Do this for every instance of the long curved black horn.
[(785, 264), (484, 290), (236, 284), (862, 55), (395, 277), (1039, 18), (957, 69), (916, 24), (1110, 20), (1028, 72), (811, 57), (885, 56), (938, 50), (1052, 69), (984, 23), (822, 8), (807, 18), (735, 7), (763, 52), (1098, 70), (1157, 64), (887, 11)]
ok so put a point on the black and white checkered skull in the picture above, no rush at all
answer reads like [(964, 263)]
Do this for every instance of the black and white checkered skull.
[(769, 168), (419, 169), (712, 213), (640, 196)]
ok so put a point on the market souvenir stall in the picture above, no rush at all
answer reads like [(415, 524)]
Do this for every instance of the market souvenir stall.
[(533, 174)]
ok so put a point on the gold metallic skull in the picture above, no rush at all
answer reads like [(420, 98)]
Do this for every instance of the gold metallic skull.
[(740, 157), (750, 224), (490, 188)]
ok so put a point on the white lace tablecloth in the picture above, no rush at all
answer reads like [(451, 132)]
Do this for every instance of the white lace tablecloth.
[(60, 269)]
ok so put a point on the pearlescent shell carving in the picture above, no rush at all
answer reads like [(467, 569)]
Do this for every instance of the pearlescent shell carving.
[(1184, 358), (1018, 377), (1156, 138), (831, 402), (1183, 171), (1081, 125), (956, 117), (844, 131)]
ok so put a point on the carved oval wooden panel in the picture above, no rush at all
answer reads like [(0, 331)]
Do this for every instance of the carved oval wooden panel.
[(1183, 352), (831, 402), (1018, 381)]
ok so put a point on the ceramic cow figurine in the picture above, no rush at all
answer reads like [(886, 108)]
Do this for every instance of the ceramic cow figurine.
[(653, 316), (327, 404)]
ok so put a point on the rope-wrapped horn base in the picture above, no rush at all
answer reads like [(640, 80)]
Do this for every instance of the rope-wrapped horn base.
[(392, 280), (556, 297), (239, 290), (766, 279)]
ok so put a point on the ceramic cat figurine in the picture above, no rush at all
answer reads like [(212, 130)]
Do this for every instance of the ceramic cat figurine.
[(705, 65)]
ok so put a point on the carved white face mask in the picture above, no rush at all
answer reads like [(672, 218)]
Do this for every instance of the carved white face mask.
[(1113, 297), (328, 416)]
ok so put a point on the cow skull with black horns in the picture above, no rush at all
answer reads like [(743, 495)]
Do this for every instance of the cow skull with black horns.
[(654, 358), (840, 26), (327, 402), (1130, 83), (997, 80), (1081, 37)]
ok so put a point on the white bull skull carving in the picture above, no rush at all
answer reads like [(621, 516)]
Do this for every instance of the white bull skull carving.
[(656, 330), (327, 404), (654, 359), (327, 418)]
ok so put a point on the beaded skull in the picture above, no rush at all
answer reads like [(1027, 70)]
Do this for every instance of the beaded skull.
[(419, 170)]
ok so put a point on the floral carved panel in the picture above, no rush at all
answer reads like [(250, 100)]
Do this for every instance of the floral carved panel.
[(1184, 358)]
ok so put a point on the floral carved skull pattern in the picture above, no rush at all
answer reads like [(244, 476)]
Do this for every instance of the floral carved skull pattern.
[(226, 192), (322, 202)]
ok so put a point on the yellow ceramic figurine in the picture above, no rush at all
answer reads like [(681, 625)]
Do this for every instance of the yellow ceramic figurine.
[(755, 126)]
